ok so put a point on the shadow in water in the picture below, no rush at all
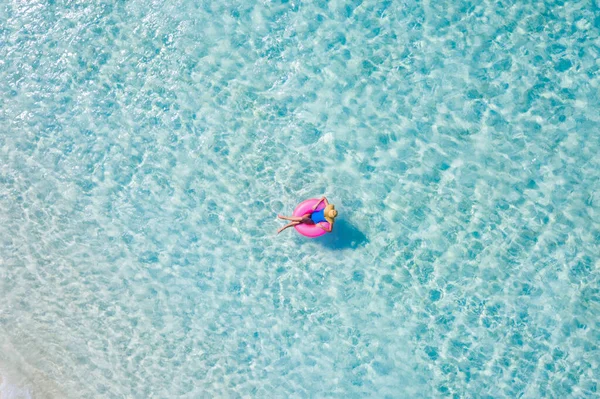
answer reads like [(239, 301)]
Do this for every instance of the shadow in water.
[(344, 236)]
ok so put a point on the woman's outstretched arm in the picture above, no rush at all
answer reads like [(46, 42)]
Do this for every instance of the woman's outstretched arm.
[(317, 204), (327, 229)]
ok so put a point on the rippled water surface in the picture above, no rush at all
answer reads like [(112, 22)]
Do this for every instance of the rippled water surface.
[(147, 146)]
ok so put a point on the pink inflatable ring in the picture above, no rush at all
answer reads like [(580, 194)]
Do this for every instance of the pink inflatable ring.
[(306, 229)]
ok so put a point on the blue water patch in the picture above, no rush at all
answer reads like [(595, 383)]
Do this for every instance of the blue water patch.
[(147, 147)]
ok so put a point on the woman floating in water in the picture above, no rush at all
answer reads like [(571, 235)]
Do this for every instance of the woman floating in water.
[(327, 214)]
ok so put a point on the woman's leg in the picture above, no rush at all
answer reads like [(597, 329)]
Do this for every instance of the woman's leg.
[(287, 225), (292, 218)]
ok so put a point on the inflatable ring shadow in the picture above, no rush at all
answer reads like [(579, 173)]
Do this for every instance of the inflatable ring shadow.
[(343, 236)]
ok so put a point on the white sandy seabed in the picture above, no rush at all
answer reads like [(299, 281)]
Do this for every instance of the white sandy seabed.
[(10, 391), (17, 377)]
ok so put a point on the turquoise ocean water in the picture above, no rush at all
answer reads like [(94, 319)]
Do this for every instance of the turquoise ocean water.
[(147, 146)]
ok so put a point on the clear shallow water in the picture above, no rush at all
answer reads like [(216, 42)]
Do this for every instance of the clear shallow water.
[(146, 148)]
